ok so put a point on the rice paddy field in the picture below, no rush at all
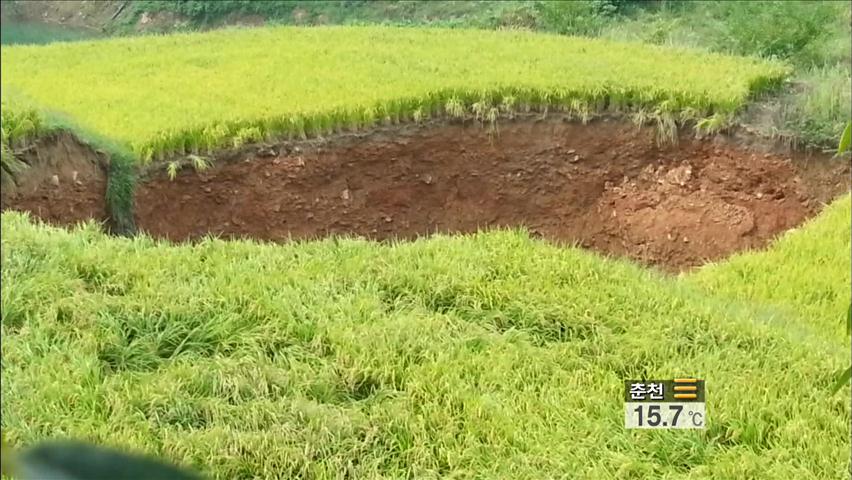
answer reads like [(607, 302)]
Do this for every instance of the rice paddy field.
[(487, 354), (206, 100)]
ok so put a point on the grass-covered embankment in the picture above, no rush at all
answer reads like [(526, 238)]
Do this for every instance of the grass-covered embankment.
[(804, 276)]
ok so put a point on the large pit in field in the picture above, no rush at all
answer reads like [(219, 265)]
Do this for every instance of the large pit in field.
[(607, 186)]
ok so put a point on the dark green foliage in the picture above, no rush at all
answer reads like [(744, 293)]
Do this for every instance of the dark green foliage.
[(205, 11), (119, 195), (574, 18), (782, 29), (481, 14), (583, 17), (612, 7)]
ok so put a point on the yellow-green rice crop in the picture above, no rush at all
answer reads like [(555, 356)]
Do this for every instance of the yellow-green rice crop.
[(484, 356), (18, 124), (191, 92), (806, 272)]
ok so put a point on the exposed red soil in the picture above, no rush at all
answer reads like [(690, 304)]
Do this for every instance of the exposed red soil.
[(65, 182), (606, 186)]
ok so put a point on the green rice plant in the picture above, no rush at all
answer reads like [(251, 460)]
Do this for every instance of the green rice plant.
[(713, 124), (845, 143), (846, 375), (418, 115), (246, 135), (159, 104), (10, 166), (172, 169), (508, 105), (199, 163), (19, 124), (640, 117), (491, 117), (454, 108), (667, 129), (480, 110)]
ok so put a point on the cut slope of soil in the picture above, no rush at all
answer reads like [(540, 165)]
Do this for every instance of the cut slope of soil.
[(606, 186), (64, 183)]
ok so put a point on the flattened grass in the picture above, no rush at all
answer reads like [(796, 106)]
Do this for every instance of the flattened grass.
[(485, 356), (192, 92)]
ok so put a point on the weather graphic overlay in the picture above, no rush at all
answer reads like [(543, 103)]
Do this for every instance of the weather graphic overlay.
[(677, 403)]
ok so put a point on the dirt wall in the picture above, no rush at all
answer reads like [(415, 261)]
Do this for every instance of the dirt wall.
[(64, 183), (606, 186)]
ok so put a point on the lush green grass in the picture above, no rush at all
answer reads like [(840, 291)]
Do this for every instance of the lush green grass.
[(817, 113), (487, 356), (19, 124), (190, 92)]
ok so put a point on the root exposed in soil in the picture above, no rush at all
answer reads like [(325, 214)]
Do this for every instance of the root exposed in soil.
[(606, 186)]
